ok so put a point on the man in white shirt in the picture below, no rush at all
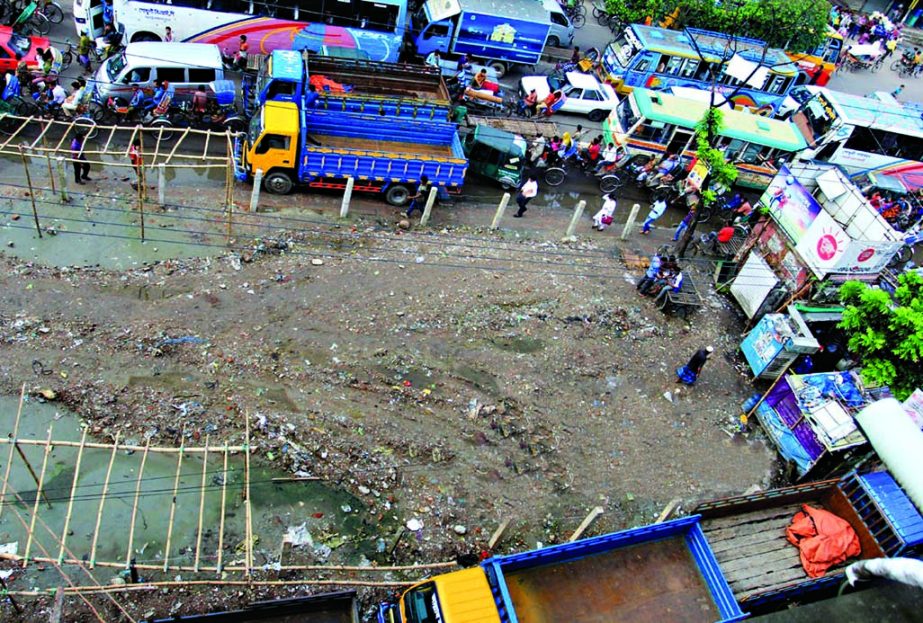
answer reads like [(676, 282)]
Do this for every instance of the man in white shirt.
[(58, 94), (526, 193), (72, 103), (610, 154)]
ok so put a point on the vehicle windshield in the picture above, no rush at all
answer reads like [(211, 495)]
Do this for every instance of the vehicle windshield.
[(621, 50), (20, 44), (819, 121), (115, 65), (627, 114), (515, 153), (256, 127), (421, 605)]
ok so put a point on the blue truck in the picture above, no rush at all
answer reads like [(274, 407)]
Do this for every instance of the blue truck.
[(498, 33), (348, 85), (322, 149), (731, 555), (658, 573)]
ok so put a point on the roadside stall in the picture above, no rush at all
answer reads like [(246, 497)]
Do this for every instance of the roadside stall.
[(811, 420), (775, 342)]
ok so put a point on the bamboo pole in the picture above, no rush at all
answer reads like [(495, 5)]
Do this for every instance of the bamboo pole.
[(21, 127), (25, 559), (176, 146), (9, 458), (105, 148), (108, 446), (25, 165), (141, 184), (134, 508), (205, 148), (150, 586), (70, 502), (102, 500), (249, 550), (35, 478), (224, 497), (229, 181), (47, 157), (179, 466), (70, 126), (41, 137), (198, 542)]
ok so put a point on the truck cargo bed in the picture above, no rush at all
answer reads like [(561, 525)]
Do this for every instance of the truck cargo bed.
[(389, 147), (639, 583)]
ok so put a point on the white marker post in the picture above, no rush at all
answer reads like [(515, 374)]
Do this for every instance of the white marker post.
[(428, 208), (62, 178), (161, 184), (347, 196), (255, 194), (495, 224), (626, 231), (578, 212)]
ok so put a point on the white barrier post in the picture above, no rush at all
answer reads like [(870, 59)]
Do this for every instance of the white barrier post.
[(495, 224), (626, 231), (578, 212), (347, 196), (161, 184), (62, 178), (255, 194), (428, 208)]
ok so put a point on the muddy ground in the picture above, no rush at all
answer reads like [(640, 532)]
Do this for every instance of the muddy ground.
[(460, 377)]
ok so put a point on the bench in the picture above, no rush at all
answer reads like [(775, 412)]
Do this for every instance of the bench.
[(724, 250), (683, 302)]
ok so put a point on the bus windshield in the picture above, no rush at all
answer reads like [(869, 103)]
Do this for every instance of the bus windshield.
[(622, 49), (421, 604)]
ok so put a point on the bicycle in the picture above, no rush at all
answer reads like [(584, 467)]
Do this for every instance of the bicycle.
[(32, 19), (52, 11), (576, 13)]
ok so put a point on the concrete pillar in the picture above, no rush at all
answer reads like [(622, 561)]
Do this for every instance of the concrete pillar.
[(495, 224), (255, 193), (428, 208), (578, 212), (347, 196), (62, 178), (161, 184), (626, 231)]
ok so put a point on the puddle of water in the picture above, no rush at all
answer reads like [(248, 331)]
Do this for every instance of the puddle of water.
[(523, 345), (480, 379), (333, 518)]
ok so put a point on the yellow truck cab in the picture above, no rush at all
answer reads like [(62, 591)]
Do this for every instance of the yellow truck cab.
[(458, 597), (272, 145)]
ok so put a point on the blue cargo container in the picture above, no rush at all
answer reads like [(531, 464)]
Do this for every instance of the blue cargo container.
[(501, 34)]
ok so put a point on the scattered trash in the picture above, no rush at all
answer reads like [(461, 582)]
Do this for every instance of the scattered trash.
[(298, 535), (48, 394), (10, 548), (317, 262), (414, 525), (460, 529)]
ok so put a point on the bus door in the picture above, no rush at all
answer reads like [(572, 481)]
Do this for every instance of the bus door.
[(92, 19), (679, 141)]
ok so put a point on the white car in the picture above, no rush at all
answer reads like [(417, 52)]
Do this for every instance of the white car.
[(584, 95)]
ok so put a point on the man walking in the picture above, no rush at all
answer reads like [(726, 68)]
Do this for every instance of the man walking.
[(526, 193), (418, 200), (689, 373), (81, 166)]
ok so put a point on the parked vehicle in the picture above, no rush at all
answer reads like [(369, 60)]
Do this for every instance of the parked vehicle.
[(583, 93), (731, 555), (562, 29), (183, 65), (393, 90), (620, 576), (500, 34), (496, 155), (321, 149), (15, 47)]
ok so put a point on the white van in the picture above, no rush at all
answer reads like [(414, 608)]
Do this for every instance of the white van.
[(184, 65), (561, 34)]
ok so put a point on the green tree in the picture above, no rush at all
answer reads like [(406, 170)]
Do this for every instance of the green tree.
[(720, 172), (794, 25), (886, 334)]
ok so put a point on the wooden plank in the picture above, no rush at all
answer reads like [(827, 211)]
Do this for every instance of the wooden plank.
[(781, 557), (788, 510), (498, 533), (9, 458), (734, 543), (785, 576), (41, 479), (198, 541), (102, 500), (57, 610), (590, 518), (70, 501), (747, 529), (224, 497), (134, 509), (668, 510), (756, 549), (179, 467)]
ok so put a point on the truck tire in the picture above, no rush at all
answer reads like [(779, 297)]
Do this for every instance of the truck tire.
[(397, 195), (497, 66), (278, 183), (597, 115)]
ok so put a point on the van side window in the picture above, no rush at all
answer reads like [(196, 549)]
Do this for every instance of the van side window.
[(138, 74), (201, 76), (558, 18), (171, 74), (272, 141), (436, 30)]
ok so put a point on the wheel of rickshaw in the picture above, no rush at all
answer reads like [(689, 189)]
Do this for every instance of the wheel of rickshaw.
[(578, 20), (555, 176), (611, 183), (87, 127)]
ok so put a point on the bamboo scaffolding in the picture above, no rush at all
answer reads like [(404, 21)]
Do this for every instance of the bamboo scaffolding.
[(178, 143), (41, 478), (22, 126), (141, 184), (150, 586), (102, 500), (198, 542), (108, 446), (25, 165), (111, 136), (12, 442), (41, 137), (205, 149), (179, 467), (70, 501), (134, 508), (67, 132), (224, 497), (249, 517)]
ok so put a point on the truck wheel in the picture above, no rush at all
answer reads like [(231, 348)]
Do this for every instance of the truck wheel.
[(497, 66), (278, 183), (597, 115), (554, 42), (397, 195)]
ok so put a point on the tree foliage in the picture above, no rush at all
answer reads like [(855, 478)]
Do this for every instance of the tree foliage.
[(720, 171), (794, 25), (887, 334)]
